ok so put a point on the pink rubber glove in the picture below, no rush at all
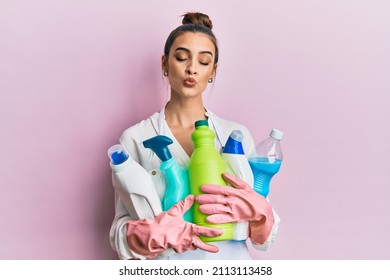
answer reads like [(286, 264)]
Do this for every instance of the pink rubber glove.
[(237, 204), (149, 237)]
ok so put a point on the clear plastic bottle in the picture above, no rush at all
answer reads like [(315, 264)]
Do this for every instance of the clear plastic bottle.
[(265, 161), (206, 167)]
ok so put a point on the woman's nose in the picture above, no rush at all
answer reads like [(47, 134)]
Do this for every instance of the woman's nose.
[(190, 68)]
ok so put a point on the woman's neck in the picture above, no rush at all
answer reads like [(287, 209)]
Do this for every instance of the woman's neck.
[(182, 113)]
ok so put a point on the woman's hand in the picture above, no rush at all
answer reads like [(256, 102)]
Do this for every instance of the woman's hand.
[(150, 237), (237, 204)]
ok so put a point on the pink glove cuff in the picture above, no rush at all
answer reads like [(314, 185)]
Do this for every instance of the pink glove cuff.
[(146, 239), (259, 231), (139, 239)]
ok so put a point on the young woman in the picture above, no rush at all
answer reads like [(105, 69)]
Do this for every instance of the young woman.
[(189, 63)]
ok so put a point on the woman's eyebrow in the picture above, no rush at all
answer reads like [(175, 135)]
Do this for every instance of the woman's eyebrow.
[(182, 49), (188, 51), (206, 52)]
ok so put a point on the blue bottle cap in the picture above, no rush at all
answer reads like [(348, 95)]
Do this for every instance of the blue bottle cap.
[(117, 154)]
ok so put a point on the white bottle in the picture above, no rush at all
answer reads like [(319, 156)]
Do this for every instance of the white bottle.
[(238, 165), (135, 187), (234, 155), (133, 184)]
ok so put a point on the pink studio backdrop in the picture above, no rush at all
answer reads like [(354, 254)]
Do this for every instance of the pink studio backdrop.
[(75, 74)]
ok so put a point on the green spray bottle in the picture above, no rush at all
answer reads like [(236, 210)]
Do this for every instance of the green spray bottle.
[(176, 178), (206, 167)]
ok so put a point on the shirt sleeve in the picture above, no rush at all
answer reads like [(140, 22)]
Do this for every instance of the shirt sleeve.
[(118, 236)]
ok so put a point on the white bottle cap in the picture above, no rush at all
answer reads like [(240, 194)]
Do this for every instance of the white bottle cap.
[(276, 134), (237, 135)]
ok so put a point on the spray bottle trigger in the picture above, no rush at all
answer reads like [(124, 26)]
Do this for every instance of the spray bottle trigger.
[(159, 144)]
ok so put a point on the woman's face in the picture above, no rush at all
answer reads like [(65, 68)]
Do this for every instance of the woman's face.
[(190, 64)]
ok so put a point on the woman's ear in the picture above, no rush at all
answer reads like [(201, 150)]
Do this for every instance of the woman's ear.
[(215, 70), (164, 63)]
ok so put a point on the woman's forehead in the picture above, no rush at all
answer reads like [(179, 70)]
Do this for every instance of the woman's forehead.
[(194, 42)]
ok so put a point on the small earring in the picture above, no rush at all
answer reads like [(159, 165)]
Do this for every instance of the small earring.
[(166, 73), (210, 80)]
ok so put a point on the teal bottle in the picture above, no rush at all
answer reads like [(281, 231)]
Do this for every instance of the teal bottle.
[(176, 177), (206, 167)]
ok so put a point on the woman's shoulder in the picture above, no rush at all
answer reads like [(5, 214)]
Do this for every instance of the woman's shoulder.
[(230, 125), (133, 137), (145, 127)]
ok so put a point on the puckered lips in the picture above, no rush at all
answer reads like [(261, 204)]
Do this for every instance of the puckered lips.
[(189, 82)]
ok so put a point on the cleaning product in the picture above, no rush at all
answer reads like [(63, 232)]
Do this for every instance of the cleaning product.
[(133, 184), (238, 165), (206, 167), (266, 160), (176, 177), (233, 154), (135, 187)]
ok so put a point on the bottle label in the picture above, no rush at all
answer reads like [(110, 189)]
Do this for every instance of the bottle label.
[(272, 154)]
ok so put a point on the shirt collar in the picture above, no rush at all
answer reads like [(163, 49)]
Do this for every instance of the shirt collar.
[(219, 132)]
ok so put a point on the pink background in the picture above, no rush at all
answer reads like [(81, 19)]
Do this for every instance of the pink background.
[(75, 74)]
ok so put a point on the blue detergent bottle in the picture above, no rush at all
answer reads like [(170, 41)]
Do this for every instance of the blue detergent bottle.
[(265, 161), (234, 155), (176, 178)]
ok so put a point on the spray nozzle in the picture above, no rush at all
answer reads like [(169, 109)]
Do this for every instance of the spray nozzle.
[(159, 145)]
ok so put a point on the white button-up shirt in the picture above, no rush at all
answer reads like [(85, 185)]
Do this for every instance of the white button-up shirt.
[(132, 139)]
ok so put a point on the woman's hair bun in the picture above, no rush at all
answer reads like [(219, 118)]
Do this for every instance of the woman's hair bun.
[(197, 18)]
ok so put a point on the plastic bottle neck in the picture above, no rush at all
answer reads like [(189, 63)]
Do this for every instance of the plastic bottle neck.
[(203, 136), (203, 143)]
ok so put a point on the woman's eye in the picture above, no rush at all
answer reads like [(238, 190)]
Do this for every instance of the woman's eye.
[(180, 58), (204, 63)]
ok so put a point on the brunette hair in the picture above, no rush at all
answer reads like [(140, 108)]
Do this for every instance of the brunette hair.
[(193, 22)]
